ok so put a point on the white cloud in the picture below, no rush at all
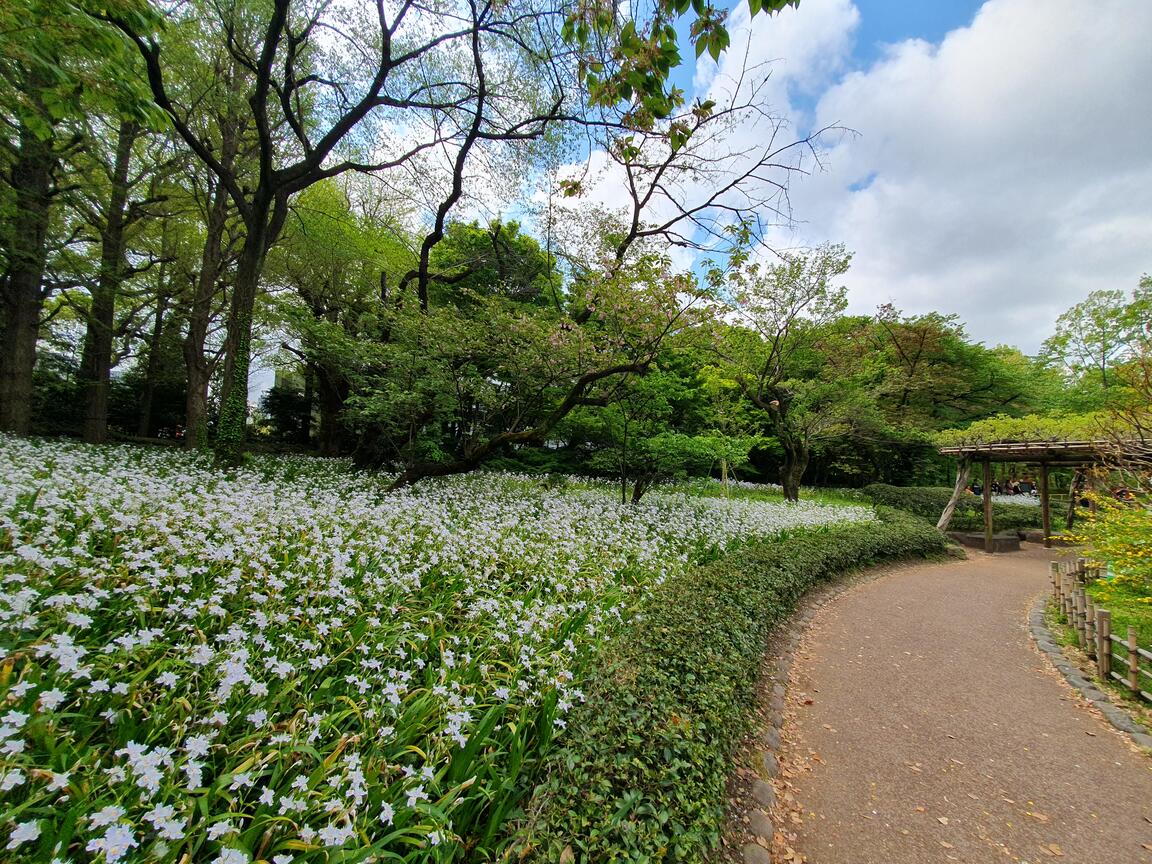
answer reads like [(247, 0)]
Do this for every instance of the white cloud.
[(1001, 174)]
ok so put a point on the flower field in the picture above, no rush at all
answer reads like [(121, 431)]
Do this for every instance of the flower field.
[(289, 664)]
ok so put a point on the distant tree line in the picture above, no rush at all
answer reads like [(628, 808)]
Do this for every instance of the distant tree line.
[(187, 186)]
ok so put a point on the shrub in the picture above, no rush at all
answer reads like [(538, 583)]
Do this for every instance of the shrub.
[(929, 502), (642, 773)]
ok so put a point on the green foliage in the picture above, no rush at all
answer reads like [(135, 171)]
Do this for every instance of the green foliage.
[(930, 376), (1118, 535), (641, 776), (498, 259), (929, 502), (58, 405), (1094, 336), (785, 353), (288, 412), (643, 54), (1034, 427)]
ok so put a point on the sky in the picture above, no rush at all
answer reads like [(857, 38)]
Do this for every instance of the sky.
[(1000, 163)]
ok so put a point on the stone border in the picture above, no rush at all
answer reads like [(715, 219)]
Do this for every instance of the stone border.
[(1114, 714), (767, 739)]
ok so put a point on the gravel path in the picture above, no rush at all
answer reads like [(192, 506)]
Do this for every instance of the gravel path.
[(924, 726)]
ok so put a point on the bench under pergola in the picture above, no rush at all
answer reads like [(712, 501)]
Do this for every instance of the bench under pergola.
[(1044, 455)]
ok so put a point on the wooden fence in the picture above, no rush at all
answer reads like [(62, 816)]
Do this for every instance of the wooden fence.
[(1118, 658)]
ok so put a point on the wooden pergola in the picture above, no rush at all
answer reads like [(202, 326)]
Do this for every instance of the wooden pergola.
[(1045, 455)]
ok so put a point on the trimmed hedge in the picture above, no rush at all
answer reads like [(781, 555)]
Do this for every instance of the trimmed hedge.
[(929, 502), (642, 775)]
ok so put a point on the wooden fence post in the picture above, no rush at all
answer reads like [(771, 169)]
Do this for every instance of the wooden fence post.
[(1089, 626), (1104, 643), (1133, 661), (1078, 612), (1054, 576)]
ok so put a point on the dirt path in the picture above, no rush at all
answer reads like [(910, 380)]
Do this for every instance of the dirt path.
[(937, 732)]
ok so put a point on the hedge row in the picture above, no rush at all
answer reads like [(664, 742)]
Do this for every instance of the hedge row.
[(642, 775), (929, 502)]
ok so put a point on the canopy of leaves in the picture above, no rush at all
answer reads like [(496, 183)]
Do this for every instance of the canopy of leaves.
[(1034, 427)]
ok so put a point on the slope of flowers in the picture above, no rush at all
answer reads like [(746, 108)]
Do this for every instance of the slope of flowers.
[(288, 664)]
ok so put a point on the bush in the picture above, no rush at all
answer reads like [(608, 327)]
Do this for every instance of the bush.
[(929, 502), (642, 774)]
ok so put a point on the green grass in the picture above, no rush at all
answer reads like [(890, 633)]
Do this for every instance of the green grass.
[(1129, 607), (1065, 636), (707, 488)]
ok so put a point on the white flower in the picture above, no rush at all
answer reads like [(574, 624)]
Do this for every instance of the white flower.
[(163, 819), (58, 782), (241, 781), (336, 835), (23, 832), (106, 816), (11, 779), (258, 718), (197, 746), (416, 794), (387, 813), (15, 719), (50, 699), (220, 829), (232, 856), (201, 655), (117, 841)]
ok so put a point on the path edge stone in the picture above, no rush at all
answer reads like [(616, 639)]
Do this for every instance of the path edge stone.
[(1119, 717)]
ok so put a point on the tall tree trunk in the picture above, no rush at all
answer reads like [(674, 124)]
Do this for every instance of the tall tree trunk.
[(197, 365), (793, 468), (642, 485), (333, 390), (305, 438), (96, 365), (196, 406), (22, 295), (232, 428), (144, 426), (262, 224), (962, 470)]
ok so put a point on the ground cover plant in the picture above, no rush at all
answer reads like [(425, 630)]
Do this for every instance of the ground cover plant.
[(287, 663), (642, 777)]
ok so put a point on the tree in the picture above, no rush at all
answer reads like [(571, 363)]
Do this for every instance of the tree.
[(453, 387), (500, 76), (1094, 336), (773, 353), (54, 65), (306, 101), (338, 265), (121, 186), (493, 259)]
